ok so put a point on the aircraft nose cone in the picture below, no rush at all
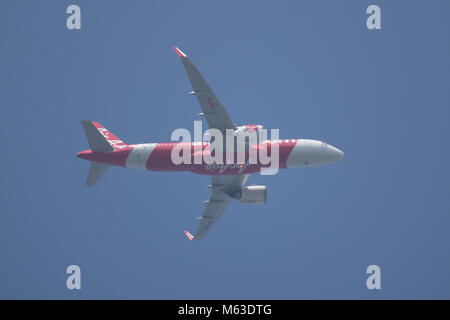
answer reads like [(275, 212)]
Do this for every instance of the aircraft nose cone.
[(335, 153)]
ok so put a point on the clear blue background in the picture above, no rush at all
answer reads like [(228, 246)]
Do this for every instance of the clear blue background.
[(310, 68)]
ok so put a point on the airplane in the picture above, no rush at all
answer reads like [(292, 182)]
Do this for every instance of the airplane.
[(227, 181)]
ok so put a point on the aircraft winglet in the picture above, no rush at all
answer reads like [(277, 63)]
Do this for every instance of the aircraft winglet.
[(188, 235), (180, 53)]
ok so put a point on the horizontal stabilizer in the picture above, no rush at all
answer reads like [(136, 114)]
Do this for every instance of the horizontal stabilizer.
[(96, 171)]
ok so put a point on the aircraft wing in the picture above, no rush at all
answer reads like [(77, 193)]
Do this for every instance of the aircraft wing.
[(213, 110), (217, 203)]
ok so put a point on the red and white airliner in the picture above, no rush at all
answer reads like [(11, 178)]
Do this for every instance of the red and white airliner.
[(227, 179)]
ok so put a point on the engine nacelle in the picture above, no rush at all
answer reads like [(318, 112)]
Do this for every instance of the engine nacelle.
[(250, 133), (251, 194), (247, 129)]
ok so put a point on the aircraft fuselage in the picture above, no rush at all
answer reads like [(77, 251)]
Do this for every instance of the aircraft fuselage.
[(293, 153)]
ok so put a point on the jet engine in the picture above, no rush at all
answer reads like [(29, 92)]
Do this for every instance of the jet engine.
[(251, 194), (250, 135), (248, 128)]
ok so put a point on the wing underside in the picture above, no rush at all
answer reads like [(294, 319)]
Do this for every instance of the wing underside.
[(213, 110), (218, 202), (217, 118)]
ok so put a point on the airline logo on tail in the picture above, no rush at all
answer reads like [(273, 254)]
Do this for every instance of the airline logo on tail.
[(115, 142)]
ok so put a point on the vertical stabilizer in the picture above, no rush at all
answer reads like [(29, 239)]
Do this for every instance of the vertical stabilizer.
[(99, 138)]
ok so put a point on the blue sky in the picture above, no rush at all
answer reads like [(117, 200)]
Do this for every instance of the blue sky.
[(310, 68)]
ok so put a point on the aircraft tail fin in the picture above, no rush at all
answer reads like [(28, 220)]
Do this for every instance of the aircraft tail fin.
[(96, 171), (99, 138)]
